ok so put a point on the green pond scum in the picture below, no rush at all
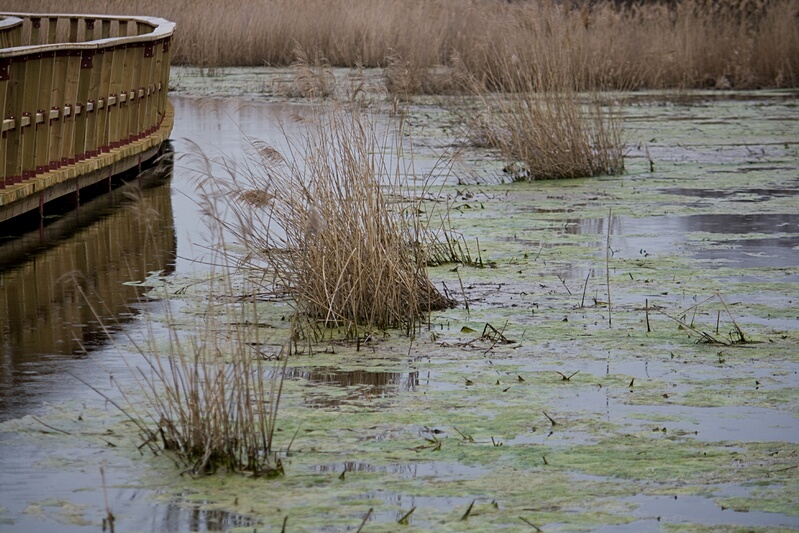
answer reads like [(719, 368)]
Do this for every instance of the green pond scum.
[(539, 406)]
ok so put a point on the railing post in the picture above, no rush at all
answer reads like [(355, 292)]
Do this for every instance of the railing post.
[(45, 102), (126, 105), (5, 64), (146, 84), (84, 80), (70, 107), (58, 125), (114, 106), (162, 68), (15, 109), (101, 128), (92, 103)]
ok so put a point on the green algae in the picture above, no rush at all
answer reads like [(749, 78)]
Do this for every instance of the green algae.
[(454, 418), (61, 511)]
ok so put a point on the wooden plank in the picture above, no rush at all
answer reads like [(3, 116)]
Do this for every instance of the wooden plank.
[(125, 106), (101, 127), (44, 104), (114, 113), (14, 110), (84, 79), (93, 99), (57, 126), (69, 112), (30, 85), (4, 66)]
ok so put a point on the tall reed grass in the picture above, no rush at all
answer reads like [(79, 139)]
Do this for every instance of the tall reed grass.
[(204, 392), (337, 225), (539, 111), (648, 44)]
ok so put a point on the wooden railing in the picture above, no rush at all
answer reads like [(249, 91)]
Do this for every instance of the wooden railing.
[(75, 87)]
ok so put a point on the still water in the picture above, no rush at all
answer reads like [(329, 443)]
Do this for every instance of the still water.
[(58, 284), (46, 322), (61, 283)]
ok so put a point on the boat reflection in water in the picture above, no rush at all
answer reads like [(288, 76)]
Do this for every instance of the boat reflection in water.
[(55, 275)]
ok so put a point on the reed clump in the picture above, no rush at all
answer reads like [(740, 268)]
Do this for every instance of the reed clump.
[(537, 108), (553, 134), (204, 393), (337, 227), (313, 76), (638, 45)]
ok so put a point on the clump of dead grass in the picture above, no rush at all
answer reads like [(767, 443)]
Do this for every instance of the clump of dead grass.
[(336, 226), (537, 108), (205, 394), (312, 75)]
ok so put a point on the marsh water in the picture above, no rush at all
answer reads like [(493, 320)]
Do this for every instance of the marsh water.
[(718, 213)]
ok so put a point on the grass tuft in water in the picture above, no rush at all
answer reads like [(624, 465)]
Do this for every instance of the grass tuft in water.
[(543, 126), (337, 226), (204, 393)]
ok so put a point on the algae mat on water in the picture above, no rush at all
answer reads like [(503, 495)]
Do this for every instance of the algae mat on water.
[(540, 406)]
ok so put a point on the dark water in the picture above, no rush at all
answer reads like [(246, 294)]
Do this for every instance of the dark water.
[(724, 241), (63, 280), (56, 281)]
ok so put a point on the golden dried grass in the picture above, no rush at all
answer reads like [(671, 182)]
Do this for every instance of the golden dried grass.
[(336, 226), (685, 43), (546, 118)]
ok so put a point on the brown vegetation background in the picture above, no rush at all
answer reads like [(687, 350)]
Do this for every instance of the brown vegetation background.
[(684, 44)]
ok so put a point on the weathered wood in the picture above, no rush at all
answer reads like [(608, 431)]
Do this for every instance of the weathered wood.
[(26, 196), (14, 110), (44, 100), (75, 87)]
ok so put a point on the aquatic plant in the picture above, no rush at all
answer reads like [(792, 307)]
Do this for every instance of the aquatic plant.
[(681, 43), (543, 126), (205, 394), (313, 76), (338, 226)]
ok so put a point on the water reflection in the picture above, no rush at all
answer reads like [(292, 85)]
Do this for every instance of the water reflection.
[(45, 272), (362, 383), (177, 517)]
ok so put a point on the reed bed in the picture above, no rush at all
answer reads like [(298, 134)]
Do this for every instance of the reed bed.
[(542, 124), (337, 225), (647, 44)]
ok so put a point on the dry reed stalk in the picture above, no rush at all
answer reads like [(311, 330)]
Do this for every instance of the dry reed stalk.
[(607, 267), (313, 77), (203, 394), (213, 396), (336, 226), (543, 126), (679, 44)]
